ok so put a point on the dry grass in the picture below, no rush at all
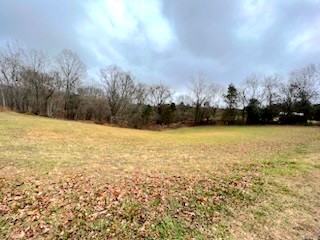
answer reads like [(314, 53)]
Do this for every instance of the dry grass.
[(64, 179), (3, 109)]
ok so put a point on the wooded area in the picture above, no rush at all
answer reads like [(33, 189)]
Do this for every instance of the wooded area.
[(33, 82)]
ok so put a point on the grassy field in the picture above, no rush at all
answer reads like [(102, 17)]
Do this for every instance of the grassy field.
[(70, 180)]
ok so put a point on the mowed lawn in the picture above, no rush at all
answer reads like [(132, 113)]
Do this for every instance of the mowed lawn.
[(72, 180)]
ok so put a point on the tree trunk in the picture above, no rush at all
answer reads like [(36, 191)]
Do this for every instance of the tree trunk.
[(243, 115), (3, 99)]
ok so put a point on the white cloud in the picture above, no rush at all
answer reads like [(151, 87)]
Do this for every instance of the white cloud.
[(307, 40), (140, 22), (257, 16)]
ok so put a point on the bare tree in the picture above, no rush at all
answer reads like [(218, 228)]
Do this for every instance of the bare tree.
[(93, 104), (183, 99), (71, 70), (35, 79), (301, 89), (141, 93), (10, 67), (249, 90), (306, 81), (2, 77), (159, 94), (202, 91), (243, 100), (271, 87), (288, 96), (120, 88), (2, 86), (251, 87), (50, 94), (2, 95)]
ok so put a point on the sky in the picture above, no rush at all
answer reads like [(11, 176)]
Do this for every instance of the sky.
[(168, 41)]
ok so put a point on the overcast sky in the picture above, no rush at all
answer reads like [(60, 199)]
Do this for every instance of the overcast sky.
[(169, 40)]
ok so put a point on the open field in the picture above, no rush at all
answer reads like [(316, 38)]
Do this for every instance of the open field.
[(65, 179)]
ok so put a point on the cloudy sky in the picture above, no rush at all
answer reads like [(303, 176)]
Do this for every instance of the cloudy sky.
[(169, 40)]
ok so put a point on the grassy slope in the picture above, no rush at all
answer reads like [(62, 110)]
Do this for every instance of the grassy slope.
[(57, 177)]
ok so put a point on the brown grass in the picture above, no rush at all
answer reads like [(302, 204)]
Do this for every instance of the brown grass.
[(3, 109)]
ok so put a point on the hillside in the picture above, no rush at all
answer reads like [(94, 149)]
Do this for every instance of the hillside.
[(70, 179)]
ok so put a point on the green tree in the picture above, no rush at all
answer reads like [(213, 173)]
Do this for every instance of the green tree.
[(253, 112), (230, 99)]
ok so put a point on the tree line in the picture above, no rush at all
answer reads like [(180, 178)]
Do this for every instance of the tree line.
[(33, 82)]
